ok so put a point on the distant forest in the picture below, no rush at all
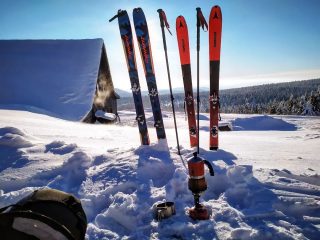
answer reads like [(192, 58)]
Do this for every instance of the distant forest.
[(298, 97)]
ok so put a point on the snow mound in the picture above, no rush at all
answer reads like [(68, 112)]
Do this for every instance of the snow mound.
[(13, 137), (69, 176), (262, 123), (59, 147), (56, 165), (155, 157), (12, 143)]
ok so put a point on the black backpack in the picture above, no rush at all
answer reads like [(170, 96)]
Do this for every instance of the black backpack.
[(45, 214)]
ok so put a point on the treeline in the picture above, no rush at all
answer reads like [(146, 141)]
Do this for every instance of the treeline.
[(299, 97)]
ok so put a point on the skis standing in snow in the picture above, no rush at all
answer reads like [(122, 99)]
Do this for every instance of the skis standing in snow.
[(183, 43), (142, 33), (215, 27), (128, 47)]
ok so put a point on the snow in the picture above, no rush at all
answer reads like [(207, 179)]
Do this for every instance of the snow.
[(266, 183), (262, 123), (105, 115), (55, 77)]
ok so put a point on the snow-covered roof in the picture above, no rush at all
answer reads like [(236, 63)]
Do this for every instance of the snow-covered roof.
[(57, 76)]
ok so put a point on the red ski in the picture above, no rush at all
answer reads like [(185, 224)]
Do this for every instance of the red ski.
[(215, 27), (183, 43)]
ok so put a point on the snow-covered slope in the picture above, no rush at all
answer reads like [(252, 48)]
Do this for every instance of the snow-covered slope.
[(267, 183)]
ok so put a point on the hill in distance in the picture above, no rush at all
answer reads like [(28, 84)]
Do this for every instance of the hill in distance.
[(277, 98)]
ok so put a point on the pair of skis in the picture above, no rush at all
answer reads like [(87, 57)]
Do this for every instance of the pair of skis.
[(142, 33), (215, 27)]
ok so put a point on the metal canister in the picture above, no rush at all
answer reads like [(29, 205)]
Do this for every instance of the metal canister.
[(165, 210)]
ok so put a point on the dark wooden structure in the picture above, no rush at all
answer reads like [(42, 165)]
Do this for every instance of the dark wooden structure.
[(105, 96)]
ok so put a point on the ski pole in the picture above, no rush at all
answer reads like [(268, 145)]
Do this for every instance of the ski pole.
[(201, 21), (164, 22)]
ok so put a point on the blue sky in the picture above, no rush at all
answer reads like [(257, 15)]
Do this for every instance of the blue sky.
[(262, 41)]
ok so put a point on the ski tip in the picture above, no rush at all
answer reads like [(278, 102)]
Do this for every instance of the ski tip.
[(138, 14), (159, 10), (216, 8), (180, 22), (138, 9), (215, 13)]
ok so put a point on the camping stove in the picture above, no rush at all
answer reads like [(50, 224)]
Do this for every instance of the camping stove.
[(197, 185)]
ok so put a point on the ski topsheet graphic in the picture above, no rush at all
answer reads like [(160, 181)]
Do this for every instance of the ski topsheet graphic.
[(142, 33), (183, 43), (128, 47), (215, 27)]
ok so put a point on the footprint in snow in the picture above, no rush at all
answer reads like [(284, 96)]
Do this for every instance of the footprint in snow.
[(60, 147)]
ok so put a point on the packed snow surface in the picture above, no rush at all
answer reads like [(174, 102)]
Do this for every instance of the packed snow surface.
[(266, 183)]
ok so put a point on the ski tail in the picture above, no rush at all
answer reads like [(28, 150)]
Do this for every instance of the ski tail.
[(215, 28), (143, 39), (128, 48), (184, 52)]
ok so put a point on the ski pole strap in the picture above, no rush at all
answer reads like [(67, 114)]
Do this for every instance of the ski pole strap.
[(201, 21), (163, 20), (120, 12)]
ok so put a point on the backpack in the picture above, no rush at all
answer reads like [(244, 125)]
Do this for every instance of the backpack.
[(44, 214)]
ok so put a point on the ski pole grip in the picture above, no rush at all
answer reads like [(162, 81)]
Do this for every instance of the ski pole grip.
[(198, 18), (201, 21), (198, 29), (113, 18), (120, 13), (160, 16), (163, 20)]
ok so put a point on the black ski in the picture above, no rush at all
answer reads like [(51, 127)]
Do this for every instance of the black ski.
[(142, 33), (128, 47)]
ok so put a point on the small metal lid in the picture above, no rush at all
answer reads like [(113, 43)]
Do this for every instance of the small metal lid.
[(164, 210)]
